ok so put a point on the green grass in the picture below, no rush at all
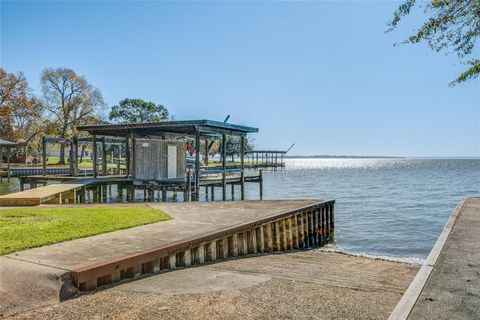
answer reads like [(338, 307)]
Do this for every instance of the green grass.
[(26, 228), (85, 164)]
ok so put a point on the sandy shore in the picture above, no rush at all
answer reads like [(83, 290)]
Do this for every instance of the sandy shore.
[(298, 285)]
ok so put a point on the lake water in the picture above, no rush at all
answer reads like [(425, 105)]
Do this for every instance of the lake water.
[(392, 208), (388, 208)]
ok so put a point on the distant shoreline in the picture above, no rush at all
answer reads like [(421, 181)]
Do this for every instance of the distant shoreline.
[(379, 157), (341, 157)]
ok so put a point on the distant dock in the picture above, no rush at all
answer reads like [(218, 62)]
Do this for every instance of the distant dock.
[(448, 284)]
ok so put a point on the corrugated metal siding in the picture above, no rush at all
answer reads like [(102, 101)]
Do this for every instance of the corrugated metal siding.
[(151, 159)]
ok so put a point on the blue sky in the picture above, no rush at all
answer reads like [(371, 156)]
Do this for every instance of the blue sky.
[(321, 74)]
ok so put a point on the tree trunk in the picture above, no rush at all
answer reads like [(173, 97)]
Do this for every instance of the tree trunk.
[(81, 153), (62, 154)]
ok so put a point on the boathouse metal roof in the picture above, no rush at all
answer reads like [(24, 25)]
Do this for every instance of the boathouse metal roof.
[(6, 143), (189, 127)]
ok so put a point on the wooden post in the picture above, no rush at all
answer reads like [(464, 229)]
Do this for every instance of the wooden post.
[(197, 165), (94, 154), (132, 163), (242, 166), (206, 152), (224, 167), (70, 158), (1, 162), (44, 156), (75, 156), (9, 155), (104, 157), (119, 157), (189, 186), (127, 156), (260, 174)]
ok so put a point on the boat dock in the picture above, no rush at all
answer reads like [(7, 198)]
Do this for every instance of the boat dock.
[(59, 189), (53, 193), (448, 284)]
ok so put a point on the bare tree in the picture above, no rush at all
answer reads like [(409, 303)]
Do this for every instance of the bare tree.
[(70, 99)]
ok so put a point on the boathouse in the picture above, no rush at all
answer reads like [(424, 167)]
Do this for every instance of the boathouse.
[(156, 152)]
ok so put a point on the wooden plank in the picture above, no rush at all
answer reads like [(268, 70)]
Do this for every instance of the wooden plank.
[(42, 194)]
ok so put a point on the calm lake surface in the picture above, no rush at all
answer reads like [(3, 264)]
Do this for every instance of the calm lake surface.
[(389, 208), (384, 207)]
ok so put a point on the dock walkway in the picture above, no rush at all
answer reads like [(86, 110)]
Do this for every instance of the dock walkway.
[(448, 284), (45, 194)]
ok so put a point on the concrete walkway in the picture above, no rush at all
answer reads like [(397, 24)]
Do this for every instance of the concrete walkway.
[(191, 220), (33, 277), (448, 284)]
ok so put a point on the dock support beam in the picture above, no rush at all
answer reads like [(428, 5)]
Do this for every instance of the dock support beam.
[(9, 156), (197, 165), (1, 161), (75, 156), (260, 174), (242, 165), (70, 158), (94, 155), (104, 157), (44, 156), (127, 156), (206, 152), (224, 167), (132, 162)]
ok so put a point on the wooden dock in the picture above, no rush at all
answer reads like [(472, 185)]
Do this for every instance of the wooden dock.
[(47, 194), (448, 284), (73, 189)]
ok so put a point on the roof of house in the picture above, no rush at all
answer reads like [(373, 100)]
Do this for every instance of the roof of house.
[(189, 127)]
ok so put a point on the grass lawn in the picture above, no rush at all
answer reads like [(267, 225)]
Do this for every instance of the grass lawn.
[(35, 227), (87, 163)]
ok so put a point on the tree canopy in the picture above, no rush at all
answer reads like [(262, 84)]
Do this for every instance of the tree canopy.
[(138, 111), (453, 26), (20, 110), (70, 99)]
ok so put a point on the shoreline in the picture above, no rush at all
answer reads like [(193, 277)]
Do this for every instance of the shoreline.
[(375, 257)]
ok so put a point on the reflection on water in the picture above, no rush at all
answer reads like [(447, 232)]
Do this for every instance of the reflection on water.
[(384, 207), (9, 187)]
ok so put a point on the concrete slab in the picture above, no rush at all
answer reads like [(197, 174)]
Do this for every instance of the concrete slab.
[(302, 285), (191, 220), (28, 285), (194, 281)]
